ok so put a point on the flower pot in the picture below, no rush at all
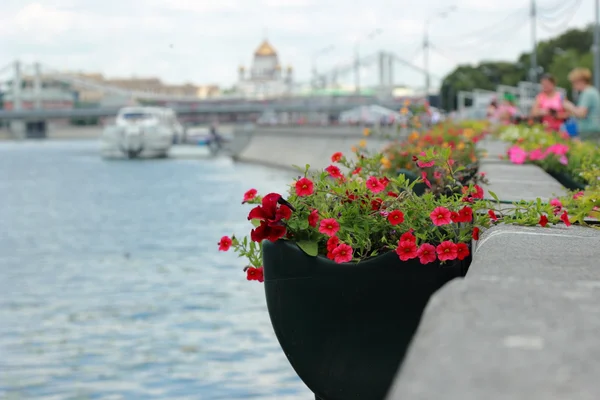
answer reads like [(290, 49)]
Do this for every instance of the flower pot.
[(566, 180), (345, 328)]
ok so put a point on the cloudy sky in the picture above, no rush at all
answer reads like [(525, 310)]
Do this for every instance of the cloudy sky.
[(204, 41)]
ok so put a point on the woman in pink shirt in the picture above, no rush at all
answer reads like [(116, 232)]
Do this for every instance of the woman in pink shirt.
[(507, 110), (548, 104)]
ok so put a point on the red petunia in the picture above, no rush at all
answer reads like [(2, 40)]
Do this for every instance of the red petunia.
[(565, 218), (356, 170), (465, 214), (329, 227), (376, 204), (447, 251), (270, 216), (225, 243), (392, 194), (304, 187), (441, 216), (426, 253), (406, 250), (337, 156), (255, 274), (462, 251), (332, 243), (543, 221), (375, 185), (313, 218), (493, 215), (424, 177), (342, 253), (334, 172), (249, 195), (408, 237), (396, 217), (475, 233)]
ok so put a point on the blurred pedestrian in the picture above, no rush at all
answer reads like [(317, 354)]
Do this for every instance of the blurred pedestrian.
[(587, 110), (548, 107)]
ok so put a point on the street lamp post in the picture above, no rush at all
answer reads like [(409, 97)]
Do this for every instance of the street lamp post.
[(357, 58), (316, 55), (441, 14)]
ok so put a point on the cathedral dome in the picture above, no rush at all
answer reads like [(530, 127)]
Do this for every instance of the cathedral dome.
[(265, 49)]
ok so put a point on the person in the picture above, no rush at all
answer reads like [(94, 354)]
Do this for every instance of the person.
[(215, 138), (587, 110), (548, 105), (507, 110)]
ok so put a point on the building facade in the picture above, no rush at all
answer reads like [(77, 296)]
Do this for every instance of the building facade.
[(266, 77)]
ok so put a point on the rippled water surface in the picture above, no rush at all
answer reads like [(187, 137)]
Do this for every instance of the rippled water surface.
[(111, 286)]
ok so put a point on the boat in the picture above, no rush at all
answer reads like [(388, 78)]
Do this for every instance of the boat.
[(141, 132)]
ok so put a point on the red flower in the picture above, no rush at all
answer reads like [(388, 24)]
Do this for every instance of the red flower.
[(357, 171), (462, 251), (270, 216), (332, 243), (225, 243), (492, 215), (557, 206), (249, 195), (455, 217), (447, 251), (578, 195), (313, 218), (441, 216), (342, 253), (396, 217), (543, 221), (304, 187), (465, 214), (477, 194), (384, 181), (426, 253), (565, 218), (392, 194), (329, 227), (334, 172), (406, 250), (337, 156), (374, 185), (475, 233), (408, 237), (255, 274), (376, 204), (424, 177)]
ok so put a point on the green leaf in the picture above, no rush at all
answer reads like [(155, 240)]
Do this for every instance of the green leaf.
[(494, 195), (310, 248), (255, 222)]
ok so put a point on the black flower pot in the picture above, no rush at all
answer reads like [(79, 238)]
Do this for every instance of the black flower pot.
[(566, 180), (345, 328)]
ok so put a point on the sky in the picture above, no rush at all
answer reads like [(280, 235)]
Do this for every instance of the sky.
[(204, 41)]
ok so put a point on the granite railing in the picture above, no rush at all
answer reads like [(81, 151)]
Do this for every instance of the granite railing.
[(524, 322)]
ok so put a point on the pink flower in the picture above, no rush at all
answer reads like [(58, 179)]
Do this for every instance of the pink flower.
[(332, 243), (517, 155), (334, 172), (329, 227), (342, 253), (441, 216), (304, 187), (563, 160), (424, 177), (447, 251), (425, 164), (406, 250), (426, 253), (559, 149), (557, 205), (375, 185), (537, 154), (249, 195), (437, 175), (565, 218), (578, 195)]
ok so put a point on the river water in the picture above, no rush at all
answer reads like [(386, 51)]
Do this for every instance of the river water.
[(111, 285)]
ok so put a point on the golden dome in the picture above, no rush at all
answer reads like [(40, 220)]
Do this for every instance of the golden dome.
[(265, 49)]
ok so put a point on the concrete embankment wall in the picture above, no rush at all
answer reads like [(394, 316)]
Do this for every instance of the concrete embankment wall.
[(283, 147)]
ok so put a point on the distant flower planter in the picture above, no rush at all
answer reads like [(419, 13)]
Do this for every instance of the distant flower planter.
[(345, 328), (567, 180)]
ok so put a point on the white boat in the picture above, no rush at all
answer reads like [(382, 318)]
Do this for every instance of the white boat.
[(141, 132)]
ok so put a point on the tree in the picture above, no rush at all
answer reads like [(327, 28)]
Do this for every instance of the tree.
[(557, 56)]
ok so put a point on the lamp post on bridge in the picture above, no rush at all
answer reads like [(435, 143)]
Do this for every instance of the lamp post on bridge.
[(316, 55), (357, 58), (440, 14)]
